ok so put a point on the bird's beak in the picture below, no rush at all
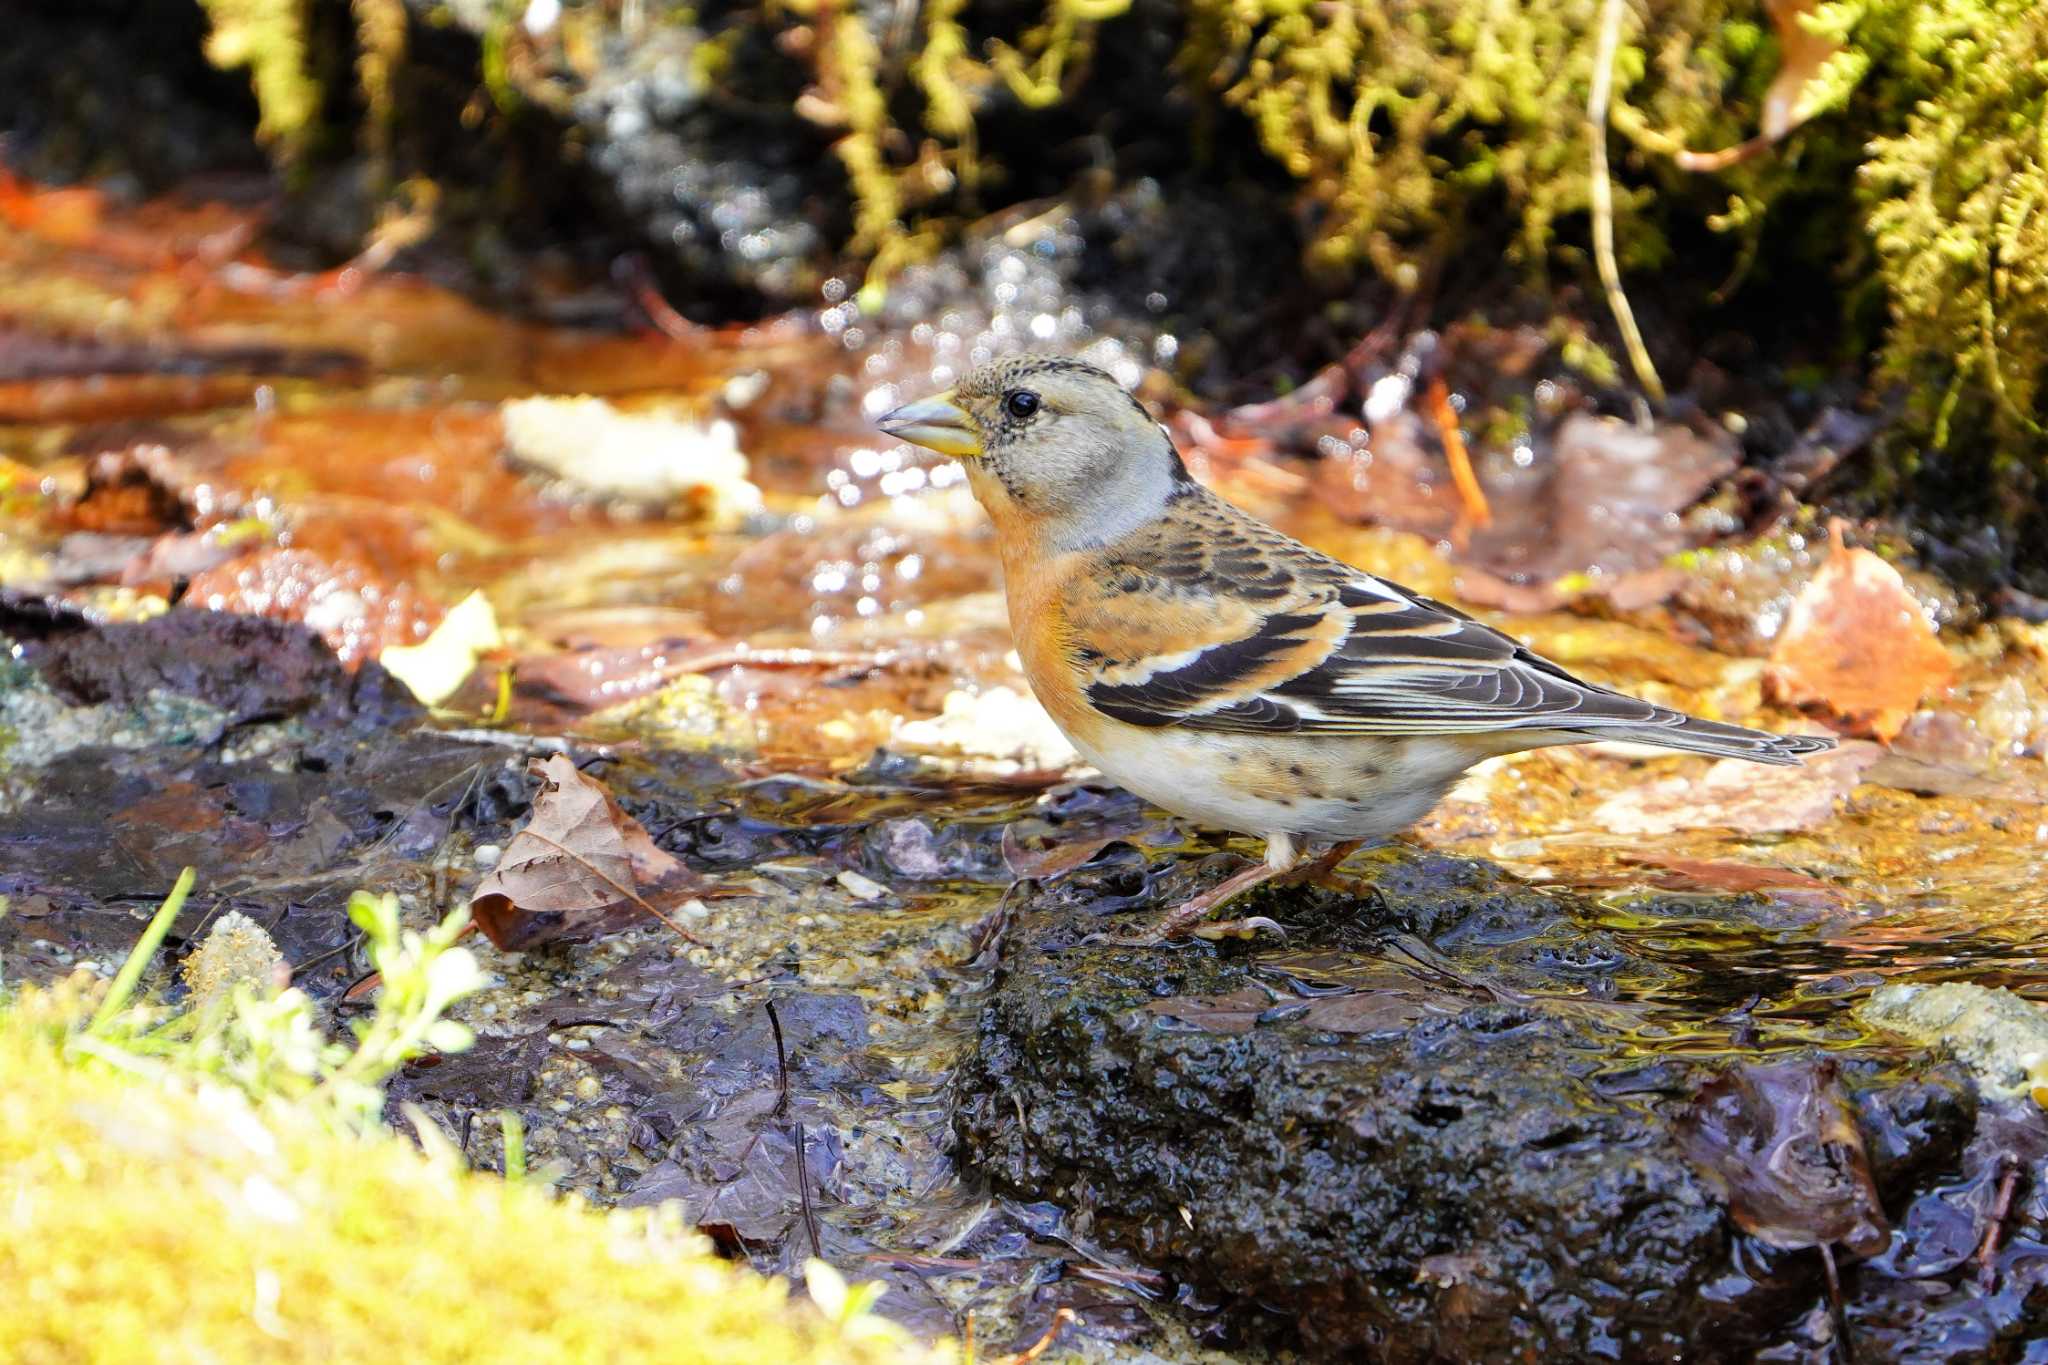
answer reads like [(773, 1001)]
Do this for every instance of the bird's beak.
[(936, 423)]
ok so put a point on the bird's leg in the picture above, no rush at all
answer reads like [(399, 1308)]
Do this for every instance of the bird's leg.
[(1312, 873), (1281, 857)]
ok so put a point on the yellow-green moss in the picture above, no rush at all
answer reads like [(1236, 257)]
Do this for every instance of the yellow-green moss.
[(1398, 116), (214, 1182), (380, 47), (147, 1218), (269, 38), (1959, 212)]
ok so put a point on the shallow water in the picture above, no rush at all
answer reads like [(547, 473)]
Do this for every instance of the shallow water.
[(331, 451)]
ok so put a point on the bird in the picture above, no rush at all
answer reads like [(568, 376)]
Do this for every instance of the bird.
[(1224, 671)]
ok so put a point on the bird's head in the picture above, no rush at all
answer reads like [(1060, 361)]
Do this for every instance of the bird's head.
[(1050, 444)]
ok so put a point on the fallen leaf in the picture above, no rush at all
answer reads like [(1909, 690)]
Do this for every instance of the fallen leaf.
[(1237, 1012), (580, 868), (1802, 54), (439, 664), (1054, 861), (357, 608), (1388, 1011), (1858, 646), (1739, 795), (1779, 1143), (1598, 509)]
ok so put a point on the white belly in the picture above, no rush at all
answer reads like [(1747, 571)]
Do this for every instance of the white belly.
[(1348, 788)]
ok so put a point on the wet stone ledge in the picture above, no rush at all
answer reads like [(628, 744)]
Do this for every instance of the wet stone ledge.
[(1433, 1125)]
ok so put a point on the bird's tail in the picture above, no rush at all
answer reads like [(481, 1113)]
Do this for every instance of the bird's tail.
[(1676, 730)]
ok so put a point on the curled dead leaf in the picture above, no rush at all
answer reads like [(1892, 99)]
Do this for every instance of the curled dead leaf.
[(1858, 646), (580, 868), (1788, 103)]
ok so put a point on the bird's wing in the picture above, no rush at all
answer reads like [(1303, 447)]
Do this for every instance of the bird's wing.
[(1221, 624)]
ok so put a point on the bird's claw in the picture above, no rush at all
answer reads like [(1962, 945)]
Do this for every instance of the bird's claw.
[(1212, 932), (1154, 939), (1238, 928)]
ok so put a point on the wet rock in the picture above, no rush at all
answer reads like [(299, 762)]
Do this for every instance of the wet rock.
[(170, 114), (1399, 1136), (1966, 1278), (496, 1072), (724, 184), (109, 830), (252, 668)]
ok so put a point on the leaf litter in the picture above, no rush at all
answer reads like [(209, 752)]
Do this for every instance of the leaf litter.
[(580, 867)]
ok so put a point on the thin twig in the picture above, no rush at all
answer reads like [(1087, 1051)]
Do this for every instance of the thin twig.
[(527, 744), (917, 1260), (803, 1192), (1038, 1348), (781, 1062), (1475, 510), (803, 1165), (634, 273), (1844, 1348), (1114, 1274), (1603, 202), (1987, 1264)]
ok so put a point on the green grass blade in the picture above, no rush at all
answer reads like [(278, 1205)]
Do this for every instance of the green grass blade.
[(145, 949)]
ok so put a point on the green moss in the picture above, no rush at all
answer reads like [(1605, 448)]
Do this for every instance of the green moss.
[(1906, 135), (1958, 208), (269, 38), (216, 1184)]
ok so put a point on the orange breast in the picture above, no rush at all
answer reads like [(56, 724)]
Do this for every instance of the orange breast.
[(1044, 633)]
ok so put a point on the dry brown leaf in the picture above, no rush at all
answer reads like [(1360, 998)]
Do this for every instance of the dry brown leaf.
[(581, 867), (1858, 646)]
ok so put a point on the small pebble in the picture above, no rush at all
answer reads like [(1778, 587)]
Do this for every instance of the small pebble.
[(860, 887)]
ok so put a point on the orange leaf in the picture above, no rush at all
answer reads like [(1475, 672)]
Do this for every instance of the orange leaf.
[(1858, 646)]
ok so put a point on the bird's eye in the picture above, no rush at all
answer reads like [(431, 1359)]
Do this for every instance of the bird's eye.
[(1020, 403)]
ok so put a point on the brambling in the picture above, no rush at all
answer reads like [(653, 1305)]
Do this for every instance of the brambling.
[(1227, 672)]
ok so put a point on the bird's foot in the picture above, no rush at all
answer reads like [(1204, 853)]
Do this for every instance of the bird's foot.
[(1181, 923), (1161, 935)]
